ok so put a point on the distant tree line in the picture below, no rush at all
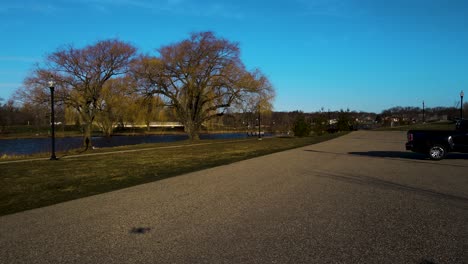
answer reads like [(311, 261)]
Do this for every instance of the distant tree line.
[(137, 109), (12, 114), (407, 115)]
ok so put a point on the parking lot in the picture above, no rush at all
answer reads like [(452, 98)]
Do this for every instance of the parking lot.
[(360, 198)]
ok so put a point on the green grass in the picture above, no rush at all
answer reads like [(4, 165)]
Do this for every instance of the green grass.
[(441, 125), (34, 184)]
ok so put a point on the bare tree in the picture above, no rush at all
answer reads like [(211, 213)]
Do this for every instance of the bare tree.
[(80, 75), (201, 77), (113, 104)]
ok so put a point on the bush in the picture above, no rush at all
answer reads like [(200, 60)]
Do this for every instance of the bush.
[(345, 122), (320, 125), (301, 127)]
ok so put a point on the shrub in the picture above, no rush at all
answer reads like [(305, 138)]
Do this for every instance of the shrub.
[(301, 127), (320, 125)]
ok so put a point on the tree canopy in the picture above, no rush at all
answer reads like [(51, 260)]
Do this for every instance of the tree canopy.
[(102, 84), (80, 76), (200, 77)]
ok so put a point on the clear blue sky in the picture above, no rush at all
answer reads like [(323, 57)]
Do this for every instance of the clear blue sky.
[(366, 55)]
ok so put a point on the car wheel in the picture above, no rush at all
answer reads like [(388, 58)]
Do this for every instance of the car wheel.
[(437, 152)]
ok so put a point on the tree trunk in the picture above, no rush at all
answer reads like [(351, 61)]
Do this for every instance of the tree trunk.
[(86, 116), (108, 131), (148, 127), (192, 129), (87, 136)]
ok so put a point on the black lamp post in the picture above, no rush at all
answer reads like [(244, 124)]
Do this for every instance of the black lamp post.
[(461, 104), (424, 117), (52, 118), (259, 124)]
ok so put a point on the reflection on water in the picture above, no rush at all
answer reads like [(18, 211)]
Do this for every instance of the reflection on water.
[(27, 146)]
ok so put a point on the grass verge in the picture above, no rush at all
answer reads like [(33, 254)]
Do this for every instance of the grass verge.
[(37, 183)]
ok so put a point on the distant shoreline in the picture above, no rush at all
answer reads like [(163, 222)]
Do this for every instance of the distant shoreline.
[(59, 134)]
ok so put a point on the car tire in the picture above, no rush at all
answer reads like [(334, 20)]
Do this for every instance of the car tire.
[(437, 152)]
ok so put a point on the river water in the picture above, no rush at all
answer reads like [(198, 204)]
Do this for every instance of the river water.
[(28, 146)]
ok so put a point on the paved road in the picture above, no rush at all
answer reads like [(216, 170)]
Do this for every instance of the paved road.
[(356, 199)]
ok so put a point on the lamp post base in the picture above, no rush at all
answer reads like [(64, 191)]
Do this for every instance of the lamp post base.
[(53, 157)]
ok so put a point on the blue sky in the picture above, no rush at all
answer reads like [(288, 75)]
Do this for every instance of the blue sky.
[(365, 55)]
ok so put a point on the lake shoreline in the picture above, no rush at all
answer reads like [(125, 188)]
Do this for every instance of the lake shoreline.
[(38, 145), (146, 133)]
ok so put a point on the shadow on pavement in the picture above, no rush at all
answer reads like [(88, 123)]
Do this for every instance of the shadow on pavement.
[(392, 154), (406, 155), (403, 155), (140, 230), (460, 201), (425, 261), (380, 154)]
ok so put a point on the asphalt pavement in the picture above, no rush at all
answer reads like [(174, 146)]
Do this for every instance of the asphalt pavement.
[(360, 198)]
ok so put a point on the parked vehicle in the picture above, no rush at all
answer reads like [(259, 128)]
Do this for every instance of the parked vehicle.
[(437, 143)]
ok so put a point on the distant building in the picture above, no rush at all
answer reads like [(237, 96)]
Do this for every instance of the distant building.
[(157, 125)]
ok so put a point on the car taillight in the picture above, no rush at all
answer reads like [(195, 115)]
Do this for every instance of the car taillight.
[(410, 137)]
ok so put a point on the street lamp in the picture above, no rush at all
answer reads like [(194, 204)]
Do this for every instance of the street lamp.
[(259, 124), (424, 118), (52, 117), (461, 104)]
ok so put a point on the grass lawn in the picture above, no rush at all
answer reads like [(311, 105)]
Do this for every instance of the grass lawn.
[(36, 183)]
